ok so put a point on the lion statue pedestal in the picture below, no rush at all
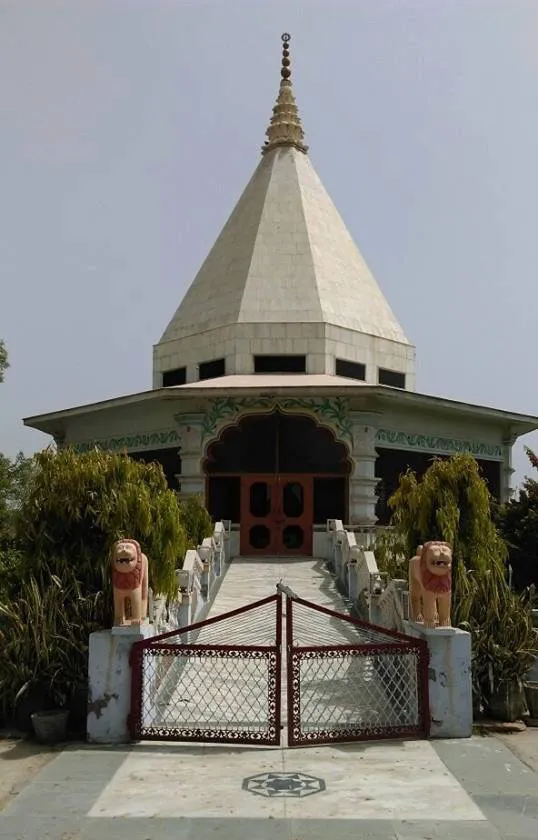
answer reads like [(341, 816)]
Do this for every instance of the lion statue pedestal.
[(129, 583), (430, 584), (109, 669)]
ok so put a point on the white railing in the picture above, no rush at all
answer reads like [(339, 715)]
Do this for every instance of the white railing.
[(201, 569), (354, 567), (374, 597)]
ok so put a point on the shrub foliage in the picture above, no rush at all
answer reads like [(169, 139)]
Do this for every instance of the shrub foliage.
[(451, 502), (56, 585)]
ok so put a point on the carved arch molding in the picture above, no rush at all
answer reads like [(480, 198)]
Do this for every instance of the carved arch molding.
[(228, 411)]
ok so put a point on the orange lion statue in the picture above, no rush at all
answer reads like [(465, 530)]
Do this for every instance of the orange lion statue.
[(129, 582), (430, 584)]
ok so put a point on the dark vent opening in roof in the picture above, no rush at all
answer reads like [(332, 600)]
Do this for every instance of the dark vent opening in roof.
[(212, 369), (279, 364), (351, 370), (174, 377), (393, 378)]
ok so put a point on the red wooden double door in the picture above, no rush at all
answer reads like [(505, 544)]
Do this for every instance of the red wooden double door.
[(276, 514)]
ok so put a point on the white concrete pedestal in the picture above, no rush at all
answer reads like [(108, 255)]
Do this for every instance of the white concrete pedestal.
[(450, 686), (109, 679)]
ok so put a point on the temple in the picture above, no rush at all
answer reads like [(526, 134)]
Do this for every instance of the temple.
[(283, 385)]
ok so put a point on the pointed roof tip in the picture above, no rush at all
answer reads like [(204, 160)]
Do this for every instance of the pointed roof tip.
[(285, 128)]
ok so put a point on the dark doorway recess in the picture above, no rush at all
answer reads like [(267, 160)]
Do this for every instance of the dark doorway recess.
[(391, 464), (277, 475), (277, 443), (169, 459)]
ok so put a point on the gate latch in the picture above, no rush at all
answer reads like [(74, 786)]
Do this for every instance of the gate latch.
[(281, 587)]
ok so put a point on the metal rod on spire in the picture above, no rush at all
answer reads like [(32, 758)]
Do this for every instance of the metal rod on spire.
[(285, 128)]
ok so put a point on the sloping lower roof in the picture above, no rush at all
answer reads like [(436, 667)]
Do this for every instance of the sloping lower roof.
[(291, 385)]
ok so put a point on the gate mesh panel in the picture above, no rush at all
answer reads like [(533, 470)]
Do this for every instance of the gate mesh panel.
[(350, 681), (314, 628), (209, 694), (349, 694), (215, 682)]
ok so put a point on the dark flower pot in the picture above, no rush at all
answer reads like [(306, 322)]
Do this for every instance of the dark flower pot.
[(50, 727), (507, 703)]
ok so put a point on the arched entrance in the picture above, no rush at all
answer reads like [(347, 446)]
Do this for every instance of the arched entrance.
[(277, 475)]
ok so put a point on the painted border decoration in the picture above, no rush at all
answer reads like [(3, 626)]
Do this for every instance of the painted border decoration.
[(132, 442), (433, 443)]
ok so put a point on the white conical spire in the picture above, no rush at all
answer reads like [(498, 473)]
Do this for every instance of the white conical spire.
[(285, 258)]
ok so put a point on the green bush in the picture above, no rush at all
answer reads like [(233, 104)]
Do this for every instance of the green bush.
[(58, 587), (518, 524), (451, 502), (196, 521)]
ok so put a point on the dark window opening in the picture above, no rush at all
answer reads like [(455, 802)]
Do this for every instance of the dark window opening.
[(330, 500), (174, 377), (351, 370), (391, 377), (211, 370), (279, 364), (391, 464), (277, 443), (169, 459), (224, 498)]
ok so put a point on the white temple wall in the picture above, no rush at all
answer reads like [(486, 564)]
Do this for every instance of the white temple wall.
[(320, 343)]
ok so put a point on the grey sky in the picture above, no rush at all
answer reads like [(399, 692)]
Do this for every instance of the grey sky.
[(128, 130)]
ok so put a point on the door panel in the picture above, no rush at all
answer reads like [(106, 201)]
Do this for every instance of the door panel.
[(258, 510), (294, 534), (276, 515)]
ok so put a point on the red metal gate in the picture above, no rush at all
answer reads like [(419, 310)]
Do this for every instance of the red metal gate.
[(215, 681), (220, 680), (352, 681)]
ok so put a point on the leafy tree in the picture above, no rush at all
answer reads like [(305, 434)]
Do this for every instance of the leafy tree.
[(518, 524), (14, 479), (77, 506), (74, 509), (451, 502), (4, 362), (196, 521)]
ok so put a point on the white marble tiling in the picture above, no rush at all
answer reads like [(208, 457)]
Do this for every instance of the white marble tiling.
[(375, 781)]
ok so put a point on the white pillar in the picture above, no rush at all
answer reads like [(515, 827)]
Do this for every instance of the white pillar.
[(506, 468), (192, 477), (363, 481), (449, 679), (109, 682)]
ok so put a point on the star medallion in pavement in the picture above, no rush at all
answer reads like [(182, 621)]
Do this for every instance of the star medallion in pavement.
[(283, 784)]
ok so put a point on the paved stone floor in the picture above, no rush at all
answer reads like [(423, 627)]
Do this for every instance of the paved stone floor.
[(413, 790), (456, 790)]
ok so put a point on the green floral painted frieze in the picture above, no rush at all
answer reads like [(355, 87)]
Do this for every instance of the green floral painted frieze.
[(433, 443), (132, 442), (333, 412)]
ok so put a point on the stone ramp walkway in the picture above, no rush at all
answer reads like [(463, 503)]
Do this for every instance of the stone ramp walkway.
[(251, 579)]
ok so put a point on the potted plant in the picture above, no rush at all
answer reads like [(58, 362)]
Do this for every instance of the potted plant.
[(50, 724), (503, 671)]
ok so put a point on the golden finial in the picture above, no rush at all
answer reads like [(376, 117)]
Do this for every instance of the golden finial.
[(285, 128)]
